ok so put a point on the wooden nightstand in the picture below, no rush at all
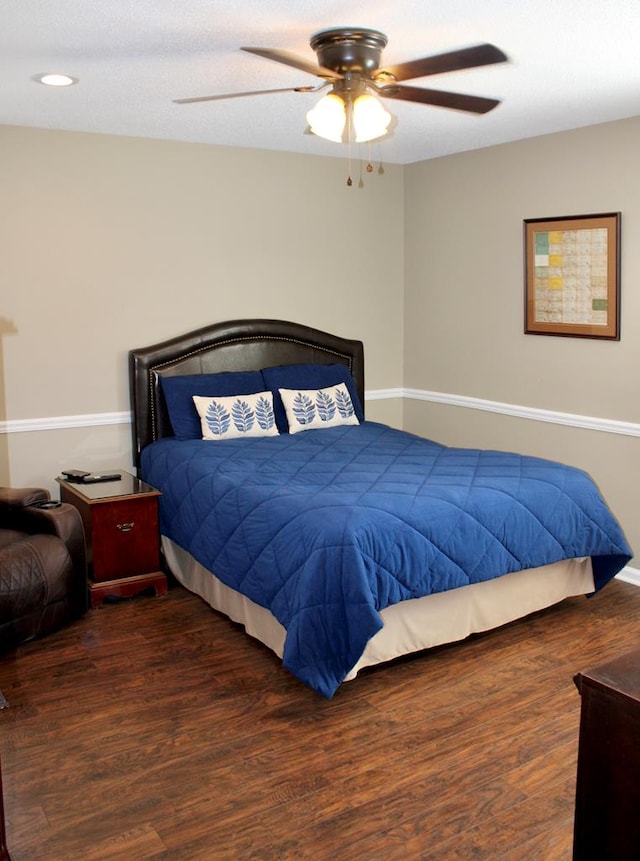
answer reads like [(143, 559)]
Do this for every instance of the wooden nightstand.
[(123, 544)]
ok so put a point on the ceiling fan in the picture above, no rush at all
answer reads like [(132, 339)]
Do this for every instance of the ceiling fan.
[(349, 63)]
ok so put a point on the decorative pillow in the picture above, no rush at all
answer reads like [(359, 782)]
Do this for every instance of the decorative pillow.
[(318, 408), (179, 391), (304, 377), (236, 416)]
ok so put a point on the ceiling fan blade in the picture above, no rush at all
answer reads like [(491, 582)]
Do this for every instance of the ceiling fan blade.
[(441, 99), (240, 95), (290, 59), (452, 61)]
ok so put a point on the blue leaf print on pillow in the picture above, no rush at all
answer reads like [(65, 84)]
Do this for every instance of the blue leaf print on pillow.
[(303, 409), (218, 418), (345, 407), (326, 406), (264, 413), (243, 416)]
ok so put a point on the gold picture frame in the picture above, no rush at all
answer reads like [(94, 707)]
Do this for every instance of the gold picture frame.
[(572, 276)]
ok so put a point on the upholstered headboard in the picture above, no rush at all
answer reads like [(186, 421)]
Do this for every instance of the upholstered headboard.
[(236, 345)]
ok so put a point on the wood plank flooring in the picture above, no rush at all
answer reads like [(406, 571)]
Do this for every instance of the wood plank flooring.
[(156, 729)]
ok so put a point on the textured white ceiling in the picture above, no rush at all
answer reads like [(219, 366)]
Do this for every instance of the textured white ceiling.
[(572, 63)]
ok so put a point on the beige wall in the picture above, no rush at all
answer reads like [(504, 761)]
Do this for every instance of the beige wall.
[(464, 303), (110, 243)]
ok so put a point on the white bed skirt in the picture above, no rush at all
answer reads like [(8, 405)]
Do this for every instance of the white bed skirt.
[(413, 625)]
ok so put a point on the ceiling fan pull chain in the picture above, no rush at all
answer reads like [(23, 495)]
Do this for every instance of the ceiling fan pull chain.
[(349, 180), (369, 167)]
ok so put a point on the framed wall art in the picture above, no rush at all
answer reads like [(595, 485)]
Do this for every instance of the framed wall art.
[(572, 276)]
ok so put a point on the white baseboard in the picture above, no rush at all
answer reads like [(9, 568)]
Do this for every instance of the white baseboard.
[(629, 575)]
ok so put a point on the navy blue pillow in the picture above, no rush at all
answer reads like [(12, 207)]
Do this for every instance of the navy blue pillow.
[(178, 394), (307, 377)]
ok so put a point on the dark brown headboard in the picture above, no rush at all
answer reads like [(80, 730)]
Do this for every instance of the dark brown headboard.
[(236, 345)]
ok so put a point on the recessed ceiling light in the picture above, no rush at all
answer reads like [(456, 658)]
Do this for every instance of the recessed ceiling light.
[(55, 79)]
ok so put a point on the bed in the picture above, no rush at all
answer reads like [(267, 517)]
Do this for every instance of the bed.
[(338, 542)]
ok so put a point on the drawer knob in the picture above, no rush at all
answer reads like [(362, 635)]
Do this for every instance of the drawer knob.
[(125, 527)]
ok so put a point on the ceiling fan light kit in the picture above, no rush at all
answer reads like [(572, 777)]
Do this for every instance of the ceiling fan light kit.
[(370, 120), (349, 61), (328, 118), (336, 115)]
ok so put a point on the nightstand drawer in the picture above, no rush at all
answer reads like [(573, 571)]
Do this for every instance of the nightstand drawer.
[(124, 538)]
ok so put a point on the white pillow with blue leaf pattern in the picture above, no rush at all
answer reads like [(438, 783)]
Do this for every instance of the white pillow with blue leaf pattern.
[(311, 409), (236, 416)]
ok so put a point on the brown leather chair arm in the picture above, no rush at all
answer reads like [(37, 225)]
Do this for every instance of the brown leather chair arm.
[(22, 572), (43, 565), (63, 520), (20, 497), (29, 509)]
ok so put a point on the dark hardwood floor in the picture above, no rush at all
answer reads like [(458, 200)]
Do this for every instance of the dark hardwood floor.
[(156, 729)]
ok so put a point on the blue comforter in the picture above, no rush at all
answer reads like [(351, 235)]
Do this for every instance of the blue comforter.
[(326, 528)]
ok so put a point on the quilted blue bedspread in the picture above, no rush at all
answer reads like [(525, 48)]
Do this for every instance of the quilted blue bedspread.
[(328, 527)]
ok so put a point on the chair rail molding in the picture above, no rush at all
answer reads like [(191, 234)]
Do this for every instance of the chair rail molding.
[(531, 413), (63, 422)]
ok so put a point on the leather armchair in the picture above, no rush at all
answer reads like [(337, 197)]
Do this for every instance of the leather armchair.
[(43, 565)]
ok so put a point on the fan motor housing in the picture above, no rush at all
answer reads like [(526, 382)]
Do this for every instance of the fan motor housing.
[(349, 49)]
